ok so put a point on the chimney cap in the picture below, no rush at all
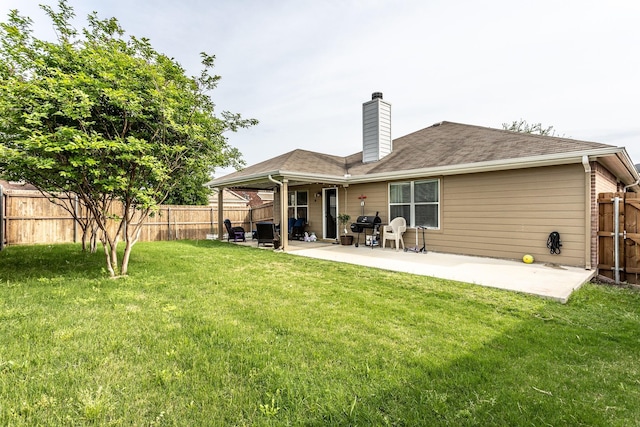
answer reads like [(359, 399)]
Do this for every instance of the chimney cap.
[(376, 95)]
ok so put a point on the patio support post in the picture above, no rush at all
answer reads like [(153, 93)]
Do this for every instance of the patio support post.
[(220, 213), (284, 223)]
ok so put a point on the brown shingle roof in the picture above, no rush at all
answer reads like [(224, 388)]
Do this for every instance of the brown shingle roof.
[(297, 161), (450, 144), (443, 144)]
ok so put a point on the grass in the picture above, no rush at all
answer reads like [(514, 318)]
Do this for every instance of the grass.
[(208, 333)]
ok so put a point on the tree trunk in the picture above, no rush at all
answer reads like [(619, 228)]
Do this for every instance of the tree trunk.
[(114, 255), (105, 245), (85, 230), (125, 259), (94, 240), (131, 238)]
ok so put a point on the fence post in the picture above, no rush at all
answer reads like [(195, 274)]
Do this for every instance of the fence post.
[(220, 213), (2, 225), (75, 223), (32, 210), (616, 239), (168, 223)]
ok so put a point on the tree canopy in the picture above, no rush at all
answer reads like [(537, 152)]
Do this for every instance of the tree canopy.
[(107, 118), (524, 127)]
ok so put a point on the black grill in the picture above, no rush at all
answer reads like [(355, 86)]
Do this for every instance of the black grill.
[(364, 223)]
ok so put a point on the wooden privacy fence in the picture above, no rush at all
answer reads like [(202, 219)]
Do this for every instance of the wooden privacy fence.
[(28, 217), (619, 236), (173, 222)]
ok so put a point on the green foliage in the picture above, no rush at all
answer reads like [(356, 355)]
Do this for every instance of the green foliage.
[(190, 190), (343, 219), (209, 333), (107, 118)]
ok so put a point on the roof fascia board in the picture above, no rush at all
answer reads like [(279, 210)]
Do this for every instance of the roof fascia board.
[(257, 177), (494, 165), (311, 177), (631, 168), (290, 175), (622, 167)]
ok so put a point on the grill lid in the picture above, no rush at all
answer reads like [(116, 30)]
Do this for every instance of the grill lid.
[(369, 220)]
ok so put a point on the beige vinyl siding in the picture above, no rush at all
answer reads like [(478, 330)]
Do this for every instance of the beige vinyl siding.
[(508, 214), (315, 210), (348, 202), (503, 214), (377, 200)]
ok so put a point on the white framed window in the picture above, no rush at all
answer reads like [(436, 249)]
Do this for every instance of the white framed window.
[(299, 204), (418, 202)]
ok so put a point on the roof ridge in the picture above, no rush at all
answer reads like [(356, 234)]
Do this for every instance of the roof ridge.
[(525, 134)]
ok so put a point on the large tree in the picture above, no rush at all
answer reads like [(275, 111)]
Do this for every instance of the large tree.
[(107, 118), (525, 127)]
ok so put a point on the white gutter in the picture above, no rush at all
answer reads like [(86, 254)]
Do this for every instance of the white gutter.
[(520, 163), (257, 177), (587, 212), (314, 177), (494, 165), (274, 181), (284, 231), (634, 172), (628, 162)]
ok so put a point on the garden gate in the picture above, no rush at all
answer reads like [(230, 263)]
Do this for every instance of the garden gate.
[(619, 236)]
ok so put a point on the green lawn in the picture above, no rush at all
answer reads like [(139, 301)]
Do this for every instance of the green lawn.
[(209, 333)]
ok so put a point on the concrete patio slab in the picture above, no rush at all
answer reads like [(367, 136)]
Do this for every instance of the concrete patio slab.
[(545, 280)]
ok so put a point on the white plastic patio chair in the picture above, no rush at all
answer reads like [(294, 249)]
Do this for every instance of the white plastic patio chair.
[(394, 231)]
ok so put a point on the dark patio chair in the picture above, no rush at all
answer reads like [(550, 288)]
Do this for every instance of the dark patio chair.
[(267, 234), (297, 231), (236, 232), (291, 223)]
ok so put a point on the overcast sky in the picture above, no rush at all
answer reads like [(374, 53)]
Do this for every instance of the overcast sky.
[(303, 68)]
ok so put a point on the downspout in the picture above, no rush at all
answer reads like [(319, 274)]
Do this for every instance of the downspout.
[(346, 198), (284, 231), (587, 213), (616, 239), (346, 207), (630, 185)]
